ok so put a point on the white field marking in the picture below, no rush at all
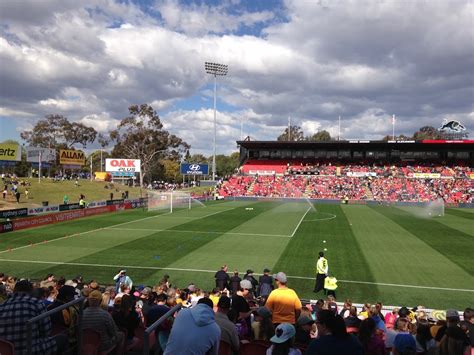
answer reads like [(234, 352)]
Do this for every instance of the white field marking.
[(201, 232), (103, 228), (213, 271), (332, 216), (299, 223)]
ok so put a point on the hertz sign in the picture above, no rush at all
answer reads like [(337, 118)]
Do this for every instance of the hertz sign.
[(10, 152), (71, 157)]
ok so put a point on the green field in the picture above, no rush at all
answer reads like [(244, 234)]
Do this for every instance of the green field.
[(377, 253)]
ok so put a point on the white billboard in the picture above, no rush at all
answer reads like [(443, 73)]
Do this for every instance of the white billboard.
[(33, 154), (122, 167)]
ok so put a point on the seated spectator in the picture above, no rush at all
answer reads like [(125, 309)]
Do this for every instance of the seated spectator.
[(344, 313), (424, 340), (241, 306), (228, 330), (195, 331), (16, 311), (125, 317), (390, 318), (283, 340), (452, 339), (352, 321), (371, 342), (469, 317), (401, 327), (154, 313), (332, 337), (95, 318), (304, 330), (262, 325), (67, 318), (404, 344)]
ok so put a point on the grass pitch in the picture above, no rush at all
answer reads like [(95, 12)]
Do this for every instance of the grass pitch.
[(377, 253)]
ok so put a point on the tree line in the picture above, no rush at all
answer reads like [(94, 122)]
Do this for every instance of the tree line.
[(140, 135)]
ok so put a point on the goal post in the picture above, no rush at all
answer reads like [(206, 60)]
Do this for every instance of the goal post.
[(162, 201)]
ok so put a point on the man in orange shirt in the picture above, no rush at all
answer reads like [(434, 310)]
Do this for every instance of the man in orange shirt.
[(283, 302)]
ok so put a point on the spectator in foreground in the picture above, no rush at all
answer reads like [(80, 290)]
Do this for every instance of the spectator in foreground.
[(371, 342), (332, 337), (16, 311), (283, 340), (228, 330), (304, 330), (96, 318), (122, 278), (195, 331), (262, 325), (283, 302)]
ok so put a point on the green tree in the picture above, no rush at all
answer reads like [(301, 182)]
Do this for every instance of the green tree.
[(401, 137), (55, 131), (427, 132), (170, 169), (197, 158), (226, 165), (295, 134), (320, 136), (141, 136)]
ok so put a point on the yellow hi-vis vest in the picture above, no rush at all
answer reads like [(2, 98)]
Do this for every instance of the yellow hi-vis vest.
[(330, 283), (322, 266)]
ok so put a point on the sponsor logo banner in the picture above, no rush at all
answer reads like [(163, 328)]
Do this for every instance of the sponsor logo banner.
[(360, 174), (20, 212), (426, 175), (6, 227), (97, 204), (194, 169), (69, 207), (71, 157), (40, 210), (10, 152), (114, 202), (122, 167), (33, 154)]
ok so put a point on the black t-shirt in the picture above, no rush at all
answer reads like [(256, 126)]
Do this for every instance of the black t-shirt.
[(235, 283), (156, 312), (239, 304)]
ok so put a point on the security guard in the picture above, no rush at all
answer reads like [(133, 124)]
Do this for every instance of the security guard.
[(321, 272), (330, 285)]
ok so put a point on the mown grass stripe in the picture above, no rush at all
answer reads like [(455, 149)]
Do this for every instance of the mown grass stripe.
[(454, 244), (459, 213), (344, 255), (162, 248)]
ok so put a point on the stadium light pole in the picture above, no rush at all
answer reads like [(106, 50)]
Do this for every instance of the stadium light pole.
[(215, 69)]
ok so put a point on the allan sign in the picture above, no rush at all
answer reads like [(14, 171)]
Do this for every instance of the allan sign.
[(194, 169), (122, 167)]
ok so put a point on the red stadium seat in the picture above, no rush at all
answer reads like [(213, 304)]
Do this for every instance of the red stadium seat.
[(6, 348), (253, 348), (224, 348)]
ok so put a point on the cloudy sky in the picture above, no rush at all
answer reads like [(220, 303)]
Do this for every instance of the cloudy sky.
[(309, 60)]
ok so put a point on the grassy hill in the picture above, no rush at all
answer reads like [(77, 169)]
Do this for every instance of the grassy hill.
[(53, 192)]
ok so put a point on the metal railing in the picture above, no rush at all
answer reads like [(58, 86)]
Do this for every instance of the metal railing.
[(30, 322), (151, 328)]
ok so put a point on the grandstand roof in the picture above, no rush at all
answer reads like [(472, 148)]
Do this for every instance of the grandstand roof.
[(426, 144)]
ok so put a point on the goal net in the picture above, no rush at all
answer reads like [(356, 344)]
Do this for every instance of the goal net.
[(162, 201)]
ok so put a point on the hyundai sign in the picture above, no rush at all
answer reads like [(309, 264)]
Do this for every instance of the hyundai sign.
[(122, 167), (194, 169)]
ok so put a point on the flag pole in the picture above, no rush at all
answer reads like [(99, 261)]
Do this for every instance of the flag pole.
[(339, 130), (393, 127)]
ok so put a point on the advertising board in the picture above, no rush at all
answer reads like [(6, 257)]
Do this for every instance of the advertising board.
[(19, 212), (33, 154), (194, 169), (10, 152), (122, 167), (71, 157)]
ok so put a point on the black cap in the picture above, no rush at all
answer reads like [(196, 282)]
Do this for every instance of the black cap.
[(266, 270), (249, 271)]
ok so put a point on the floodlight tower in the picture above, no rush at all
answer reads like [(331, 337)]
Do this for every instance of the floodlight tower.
[(215, 69)]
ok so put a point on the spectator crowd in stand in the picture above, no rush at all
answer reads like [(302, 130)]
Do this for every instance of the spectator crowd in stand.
[(265, 313), (407, 183)]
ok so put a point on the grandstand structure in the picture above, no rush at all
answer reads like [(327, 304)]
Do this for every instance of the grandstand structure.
[(356, 170)]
